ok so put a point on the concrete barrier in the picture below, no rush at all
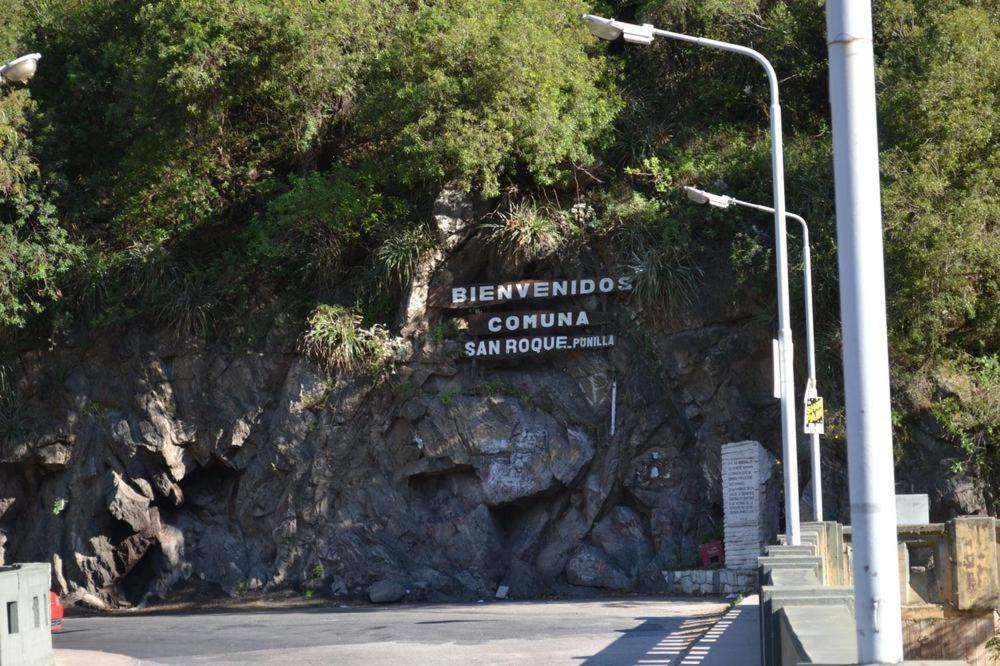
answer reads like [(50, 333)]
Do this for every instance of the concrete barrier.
[(774, 598), (791, 576), (776, 550), (789, 569), (950, 585), (25, 632), (817, 634)]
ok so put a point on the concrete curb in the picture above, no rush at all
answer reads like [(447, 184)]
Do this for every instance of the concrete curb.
[(95, 658)]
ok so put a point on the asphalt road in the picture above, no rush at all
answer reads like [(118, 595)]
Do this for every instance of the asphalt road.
[(594, 633)]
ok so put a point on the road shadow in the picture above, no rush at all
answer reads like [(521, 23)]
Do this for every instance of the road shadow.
[(656, 641), (730, 640)]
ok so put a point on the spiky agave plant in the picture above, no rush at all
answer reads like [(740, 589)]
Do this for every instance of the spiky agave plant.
[(336, 339), (527, 231), (333, 338), (186, 302), (401, 253), (663, 278)]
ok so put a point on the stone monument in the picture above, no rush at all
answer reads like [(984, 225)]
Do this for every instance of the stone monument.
[(750, 502), (751, 487)]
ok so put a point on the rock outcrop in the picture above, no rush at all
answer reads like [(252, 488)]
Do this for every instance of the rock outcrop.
[(143, 465)]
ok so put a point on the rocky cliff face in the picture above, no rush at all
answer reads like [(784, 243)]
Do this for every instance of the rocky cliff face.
[(144, 465)]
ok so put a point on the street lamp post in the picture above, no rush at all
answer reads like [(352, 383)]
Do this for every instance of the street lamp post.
[(611, 29), (867, 395), (723, 201), (19, 70)]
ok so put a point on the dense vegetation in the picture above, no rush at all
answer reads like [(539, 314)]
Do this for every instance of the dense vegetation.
[(187, 163)]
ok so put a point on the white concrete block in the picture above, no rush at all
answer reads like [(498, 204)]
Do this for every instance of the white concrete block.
[(913, 510)]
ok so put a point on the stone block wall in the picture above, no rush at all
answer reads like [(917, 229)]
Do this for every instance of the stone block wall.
[(701, 582)]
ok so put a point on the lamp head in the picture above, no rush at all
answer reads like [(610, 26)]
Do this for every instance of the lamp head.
[(20, 70), (602, 28), (702, 197), (610, 29)]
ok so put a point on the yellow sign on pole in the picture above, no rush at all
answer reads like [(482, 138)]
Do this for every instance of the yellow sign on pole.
[(814, 416)]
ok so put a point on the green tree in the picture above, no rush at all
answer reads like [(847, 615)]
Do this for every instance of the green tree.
[(34, 249), (478, 91), (195, 103), (941, 81)]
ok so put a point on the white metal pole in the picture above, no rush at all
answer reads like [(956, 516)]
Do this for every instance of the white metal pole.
[(814, 451), (614, 405), (788, 426), (644, 34), (863, 316), (789, 441), (817, 476)]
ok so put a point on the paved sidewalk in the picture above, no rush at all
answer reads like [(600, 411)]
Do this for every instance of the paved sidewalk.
[(733, 641)]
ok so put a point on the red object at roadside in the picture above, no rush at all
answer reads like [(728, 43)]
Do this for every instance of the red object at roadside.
[(56, 612), (712, 554)]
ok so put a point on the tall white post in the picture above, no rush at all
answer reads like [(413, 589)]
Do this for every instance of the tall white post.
[(866, 353), (789, 436), (643, 34), (814, 450)]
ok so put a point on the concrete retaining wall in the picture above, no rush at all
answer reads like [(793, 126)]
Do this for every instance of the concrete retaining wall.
[(932, 632), (25, 632), (807, 601), (774, 599)]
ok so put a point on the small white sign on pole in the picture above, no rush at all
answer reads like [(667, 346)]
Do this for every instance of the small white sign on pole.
[(813, 422)]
